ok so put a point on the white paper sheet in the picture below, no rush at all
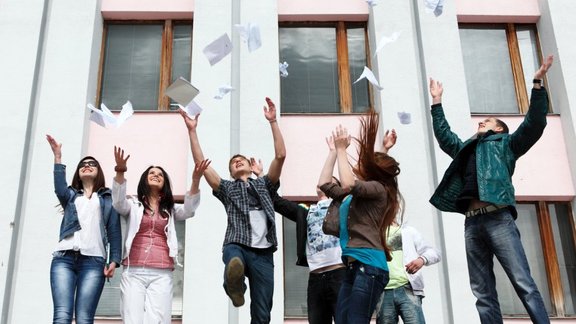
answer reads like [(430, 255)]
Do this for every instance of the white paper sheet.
[(182, 91), (434, 6), (367, 74), (385, 40), (250, 34), (405, 118), (218, 49), (192, 109), (105, 118), (222, 91), (284, 69)]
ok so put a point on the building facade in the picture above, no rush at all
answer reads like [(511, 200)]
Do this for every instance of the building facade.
[(59, 55)]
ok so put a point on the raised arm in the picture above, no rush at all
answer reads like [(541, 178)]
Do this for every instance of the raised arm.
[(209, 173), (119, 201), (279, 147), (341, 142), (449, 142), (328, 168), (199, 169), (390, 138), (60, 184), (532, 127)]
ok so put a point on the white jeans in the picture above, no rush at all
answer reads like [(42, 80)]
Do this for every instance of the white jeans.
[(146, 295)]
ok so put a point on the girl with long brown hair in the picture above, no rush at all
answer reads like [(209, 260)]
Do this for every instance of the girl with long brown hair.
[(364, 206)]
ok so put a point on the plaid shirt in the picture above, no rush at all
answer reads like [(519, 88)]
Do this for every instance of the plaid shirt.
[(234, 197)]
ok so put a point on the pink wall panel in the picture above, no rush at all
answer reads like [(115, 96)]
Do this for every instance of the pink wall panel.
[(147, 9), (322, 10), (497, 11), (150, 139)]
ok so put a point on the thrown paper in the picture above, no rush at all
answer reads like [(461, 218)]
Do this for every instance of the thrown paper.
[(182, 91), (435, 6), (405, 118), (250, 34), (222, 91), (367, 74), (284, 69), (372, 3), (218, 49), (106, 118), (385, 40), (192, 109)]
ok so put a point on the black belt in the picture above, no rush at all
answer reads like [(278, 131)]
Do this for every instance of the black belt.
[(484, 210)]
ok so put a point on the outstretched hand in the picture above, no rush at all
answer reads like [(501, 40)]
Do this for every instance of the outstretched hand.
[(436, 91), (270, 112), (330, 143), (55, 146), (341, 137), (199, 169), (120, 160), (191, 123), (544, 67), (389, 139), (256, 167)]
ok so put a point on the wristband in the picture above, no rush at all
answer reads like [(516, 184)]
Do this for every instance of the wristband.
[(120, 169), (272, 121), (539, 81)]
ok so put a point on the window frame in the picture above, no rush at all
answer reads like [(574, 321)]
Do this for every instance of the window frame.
[(550, 256), (344, 82), (165, 57), (522, 97)]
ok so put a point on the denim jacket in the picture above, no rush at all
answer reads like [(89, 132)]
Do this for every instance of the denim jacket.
[(496, 156), (110, 224)]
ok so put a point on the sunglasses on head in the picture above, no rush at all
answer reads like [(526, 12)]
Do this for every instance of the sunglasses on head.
[(84, 164)]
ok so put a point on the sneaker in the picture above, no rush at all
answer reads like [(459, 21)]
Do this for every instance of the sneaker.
[(235, 281)]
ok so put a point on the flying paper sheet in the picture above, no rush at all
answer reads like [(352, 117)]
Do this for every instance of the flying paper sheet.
[(435, 6), (405, 118), (250, 34), (372, 3), (192, 109), (367, 73), (385, 41), (218, 49), (182, 91), (284, 69), (222, 91), (106, 118)]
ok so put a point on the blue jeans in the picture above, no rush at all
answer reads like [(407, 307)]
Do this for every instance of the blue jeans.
[(259, 269), (323, 289), (401, 302), (360, 291), (496, 234), (77, 282)]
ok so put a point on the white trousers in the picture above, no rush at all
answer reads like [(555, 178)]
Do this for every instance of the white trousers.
[(146, 296)]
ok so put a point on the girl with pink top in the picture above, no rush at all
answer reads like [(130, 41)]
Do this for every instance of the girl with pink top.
[(151, 247)]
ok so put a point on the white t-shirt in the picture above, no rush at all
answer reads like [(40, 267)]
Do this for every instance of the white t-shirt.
[(88, 240), (321, 250)]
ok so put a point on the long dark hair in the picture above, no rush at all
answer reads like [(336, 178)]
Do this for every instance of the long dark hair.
[(381, 167), (99, 182), (166, 198)]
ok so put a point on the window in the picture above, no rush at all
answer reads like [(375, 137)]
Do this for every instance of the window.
[(324, 59), (548, 236), (295, 277), (109, 305), (140, 61), (499, 63)]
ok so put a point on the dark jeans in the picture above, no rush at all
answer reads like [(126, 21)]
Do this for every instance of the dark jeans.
[(496, 234), (360, 292), (401, 302), (323, 291), (259, 269), (77, 282)]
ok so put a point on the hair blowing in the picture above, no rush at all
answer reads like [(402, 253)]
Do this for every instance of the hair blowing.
[(378, 166)]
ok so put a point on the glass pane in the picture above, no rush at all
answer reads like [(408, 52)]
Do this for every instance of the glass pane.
[(357, 62), (527, 224), (488, 70), (312, 83), (563, 229), (295, 277), (132, 66), (181, 54), (109, 304), (528, 54)]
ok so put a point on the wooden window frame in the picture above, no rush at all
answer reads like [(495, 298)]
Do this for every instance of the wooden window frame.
[(165, 56), (522, 97), (550, 255), (344, 82)]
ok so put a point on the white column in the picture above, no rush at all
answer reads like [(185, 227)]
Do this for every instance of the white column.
[(66, 81)]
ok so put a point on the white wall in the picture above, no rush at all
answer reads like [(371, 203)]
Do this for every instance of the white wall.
[(66, 74)]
